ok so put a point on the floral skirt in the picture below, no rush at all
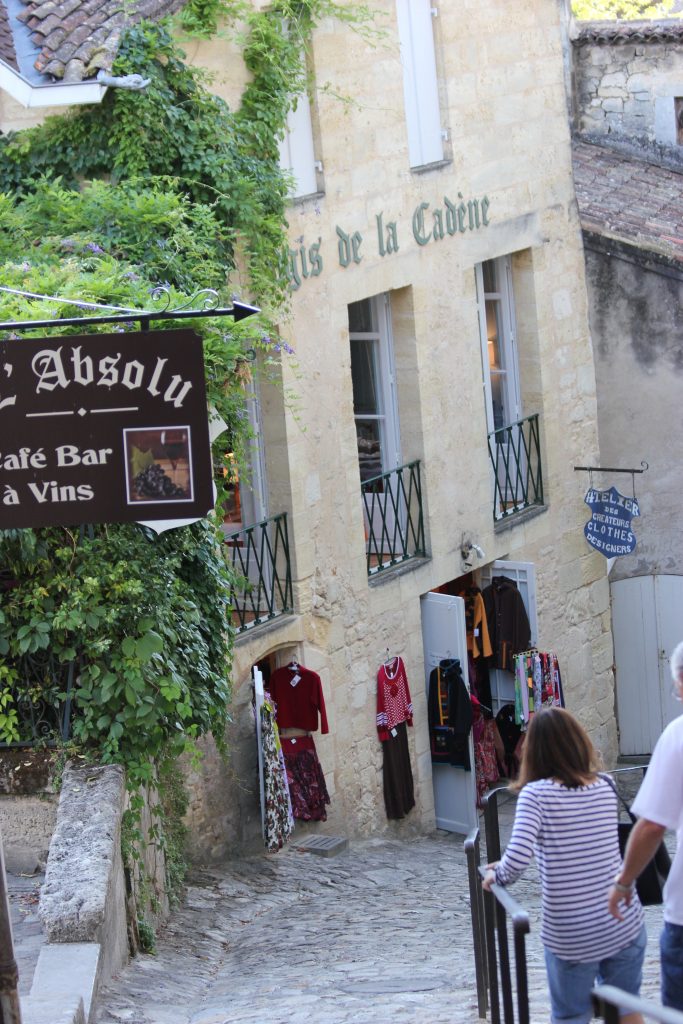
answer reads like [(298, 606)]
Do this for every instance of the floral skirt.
[(307, 787)]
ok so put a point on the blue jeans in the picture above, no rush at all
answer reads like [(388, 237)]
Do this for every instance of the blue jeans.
[(671, 950), (571, 983)]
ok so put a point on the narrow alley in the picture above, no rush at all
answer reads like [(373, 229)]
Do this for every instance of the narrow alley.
[(380, 933)]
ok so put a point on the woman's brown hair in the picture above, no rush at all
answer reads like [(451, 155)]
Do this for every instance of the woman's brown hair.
[(557, 747)]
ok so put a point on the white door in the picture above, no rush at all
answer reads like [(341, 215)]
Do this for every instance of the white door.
[(524, 575), (647, 612), (443, 636)]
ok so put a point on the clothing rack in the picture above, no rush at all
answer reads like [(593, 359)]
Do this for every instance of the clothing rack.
[(258, 704)]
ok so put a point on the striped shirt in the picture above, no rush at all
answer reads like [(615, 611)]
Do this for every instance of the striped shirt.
[(573, 833)]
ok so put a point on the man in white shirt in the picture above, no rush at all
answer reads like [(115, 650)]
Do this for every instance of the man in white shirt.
[(659, 806)]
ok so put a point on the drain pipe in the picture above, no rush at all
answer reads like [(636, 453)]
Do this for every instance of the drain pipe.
[(10, 1009)]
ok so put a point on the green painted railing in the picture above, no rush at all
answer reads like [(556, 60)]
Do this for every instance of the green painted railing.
[(515, 453), (394, 524), (259, 554)]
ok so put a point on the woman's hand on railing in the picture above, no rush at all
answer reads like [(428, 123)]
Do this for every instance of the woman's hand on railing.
[(490, 876)]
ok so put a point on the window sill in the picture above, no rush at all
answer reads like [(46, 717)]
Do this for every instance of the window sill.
[(436, 166), (300, 200), (267, 626), (517, 518), (400, 569)]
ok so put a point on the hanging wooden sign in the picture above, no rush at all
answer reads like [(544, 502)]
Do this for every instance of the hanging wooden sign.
[(609, 529), (103, 428)]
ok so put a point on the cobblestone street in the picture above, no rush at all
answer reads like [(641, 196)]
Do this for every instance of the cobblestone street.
[(380, 933)]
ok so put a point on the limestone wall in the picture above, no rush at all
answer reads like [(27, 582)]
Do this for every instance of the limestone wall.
[(504, 108), (638, 372), (626, 84)]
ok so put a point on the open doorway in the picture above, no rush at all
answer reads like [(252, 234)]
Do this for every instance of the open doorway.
[(455, 628)]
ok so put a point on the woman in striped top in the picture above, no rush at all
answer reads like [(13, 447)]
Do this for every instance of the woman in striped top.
[(567, 816)]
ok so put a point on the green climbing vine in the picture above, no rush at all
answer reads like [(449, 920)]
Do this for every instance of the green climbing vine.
[(164, 187)]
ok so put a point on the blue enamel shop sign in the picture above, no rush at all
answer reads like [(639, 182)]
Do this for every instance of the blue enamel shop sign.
[(609, 529)]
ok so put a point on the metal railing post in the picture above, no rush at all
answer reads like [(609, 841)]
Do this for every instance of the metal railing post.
[(498, 907), (478, 928), (10, 1009)]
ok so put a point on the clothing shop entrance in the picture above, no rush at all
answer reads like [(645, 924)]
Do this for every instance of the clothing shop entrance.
[(478, 632)]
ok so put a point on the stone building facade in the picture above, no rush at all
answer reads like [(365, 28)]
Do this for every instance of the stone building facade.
[(438, 326), (401, 246)]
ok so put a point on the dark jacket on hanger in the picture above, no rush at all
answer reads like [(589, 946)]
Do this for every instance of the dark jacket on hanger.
[(449, 712), (508, 623)]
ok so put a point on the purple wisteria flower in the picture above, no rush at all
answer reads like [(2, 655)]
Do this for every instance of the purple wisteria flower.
[(94, 247), (277, 346)]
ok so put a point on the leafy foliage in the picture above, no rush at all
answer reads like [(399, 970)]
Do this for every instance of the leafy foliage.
[(104, 204), (145, 615), (624, 10)]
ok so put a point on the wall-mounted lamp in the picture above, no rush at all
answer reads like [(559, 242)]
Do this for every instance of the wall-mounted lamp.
[(467, 547)]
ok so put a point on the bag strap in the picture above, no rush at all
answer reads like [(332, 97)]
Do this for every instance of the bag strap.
[(610, 782)]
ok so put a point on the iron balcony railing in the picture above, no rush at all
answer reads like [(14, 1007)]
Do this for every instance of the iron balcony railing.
[(259, 554), (394, 523), (515, 453), (39, 709)]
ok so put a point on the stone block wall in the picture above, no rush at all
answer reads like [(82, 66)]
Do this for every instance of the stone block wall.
[(504, 104), (626, 81)]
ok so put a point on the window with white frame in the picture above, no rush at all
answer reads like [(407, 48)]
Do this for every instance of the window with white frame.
[(420, 84), (374, 386), (245, 484), (498, 343), (297, 151)]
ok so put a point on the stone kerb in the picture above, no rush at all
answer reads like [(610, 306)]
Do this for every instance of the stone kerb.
[(83, 898)]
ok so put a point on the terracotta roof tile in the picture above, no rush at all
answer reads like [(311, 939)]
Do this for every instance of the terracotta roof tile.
[(7, 51), (626, 198), (78, 37), (617, 33)]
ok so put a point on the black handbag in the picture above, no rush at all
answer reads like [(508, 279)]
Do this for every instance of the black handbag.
[(650, 882)]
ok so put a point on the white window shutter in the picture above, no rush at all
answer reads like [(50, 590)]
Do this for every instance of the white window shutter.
[(420, 86), (296, 149)]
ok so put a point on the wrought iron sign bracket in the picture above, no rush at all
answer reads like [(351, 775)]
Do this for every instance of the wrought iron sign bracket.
[(121, 315), (611, 469), (608, 469)]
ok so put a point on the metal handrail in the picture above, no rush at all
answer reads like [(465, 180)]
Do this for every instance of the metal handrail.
[(499, 906), (515, 454), (478, 926), (394, 521), (494, 927), (259, 554), (609, 1000)]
